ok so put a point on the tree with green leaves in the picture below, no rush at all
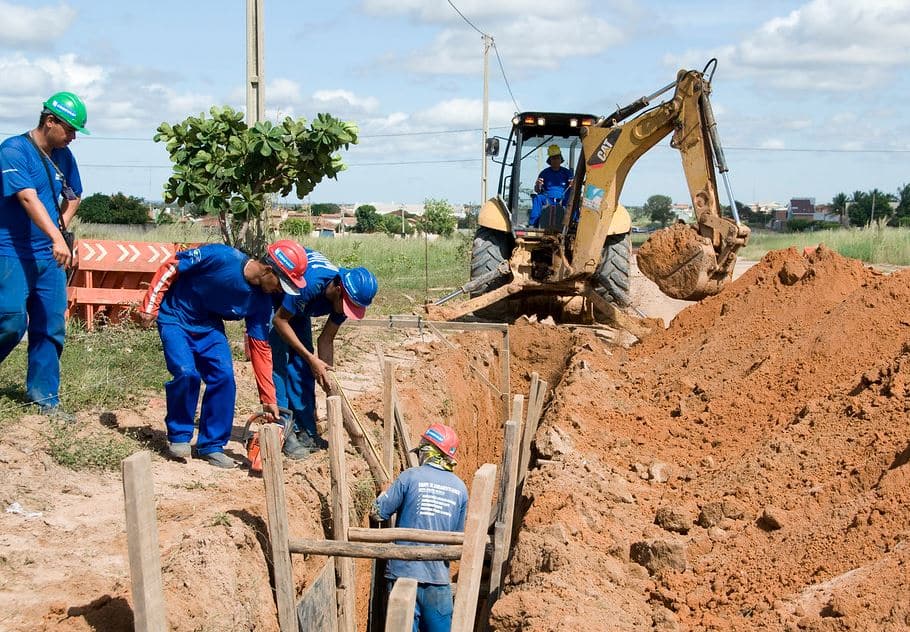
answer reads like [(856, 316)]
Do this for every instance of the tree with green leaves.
[(438, 217), (113, 209), (296, 226), (839, 205), (229, 169), (660, 209), (393, 224), (368, 219), (325, 208)]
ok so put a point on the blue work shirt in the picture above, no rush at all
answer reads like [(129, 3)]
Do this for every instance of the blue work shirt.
[(430, 498), (311, 301), (558, 179), (22, 167), (210, 288)]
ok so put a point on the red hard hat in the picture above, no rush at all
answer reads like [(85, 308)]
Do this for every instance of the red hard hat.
[(444, 438), (288, 259)]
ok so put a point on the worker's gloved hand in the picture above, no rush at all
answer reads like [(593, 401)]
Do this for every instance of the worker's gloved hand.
[(147, 320)]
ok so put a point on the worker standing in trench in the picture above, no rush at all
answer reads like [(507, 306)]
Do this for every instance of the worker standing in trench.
[(339, 293), (429, 497), (192, 294)]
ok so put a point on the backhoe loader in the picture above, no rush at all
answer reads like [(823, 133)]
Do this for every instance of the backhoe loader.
[(583, 248)]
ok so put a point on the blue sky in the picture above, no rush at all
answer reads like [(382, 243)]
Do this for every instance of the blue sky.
[(811, 97)]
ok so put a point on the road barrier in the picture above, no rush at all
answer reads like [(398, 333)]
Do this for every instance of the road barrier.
[(111, 277)]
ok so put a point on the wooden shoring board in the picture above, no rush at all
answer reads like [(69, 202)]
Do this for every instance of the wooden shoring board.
[(316, 610), (346, 591), (391, 534), (403, 598), (502, 530), (535, 408), (142, 544), (409, 459), (475, 535), (276, 508)]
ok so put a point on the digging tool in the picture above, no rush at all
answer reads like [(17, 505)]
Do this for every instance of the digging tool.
[(480, 282), (359, 435), (251, 438)]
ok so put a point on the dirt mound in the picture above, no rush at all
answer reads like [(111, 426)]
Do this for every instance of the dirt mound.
[(745, 469)]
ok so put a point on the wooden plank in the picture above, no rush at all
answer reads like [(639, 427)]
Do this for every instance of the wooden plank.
[(503, 529), (400, 617), (316, 611), (531, 423), (142, 544), (379, 551), (505, 361), (388, 415), (276, 508), (391, 534), (341, 516), (475, 534)]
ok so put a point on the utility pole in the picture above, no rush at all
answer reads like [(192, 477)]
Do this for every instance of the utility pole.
[(487, 43), (255, 63)]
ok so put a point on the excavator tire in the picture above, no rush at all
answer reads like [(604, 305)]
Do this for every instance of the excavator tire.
[(490, 248), (613, 278)]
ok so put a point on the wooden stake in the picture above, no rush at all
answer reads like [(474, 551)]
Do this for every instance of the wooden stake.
[(361, 534), (400, 617), (502, 540), (142, 543), (475, 534), (340, 516), (276, 508), (388, 416), (534, 410), (404, 432)]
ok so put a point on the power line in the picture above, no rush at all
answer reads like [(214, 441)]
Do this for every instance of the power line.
[(471, 24), (504, 78)]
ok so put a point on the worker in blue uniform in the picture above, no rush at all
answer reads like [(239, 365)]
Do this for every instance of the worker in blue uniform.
[(552, 185), (36, 169), (338, 293), (192, 295), (429, 497)]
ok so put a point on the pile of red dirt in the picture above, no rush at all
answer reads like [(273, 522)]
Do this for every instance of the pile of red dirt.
[(747, 468)]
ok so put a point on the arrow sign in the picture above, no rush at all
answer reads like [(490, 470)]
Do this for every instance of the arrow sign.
[(124, 253), (90, 252), (102, 251), (135, 253)]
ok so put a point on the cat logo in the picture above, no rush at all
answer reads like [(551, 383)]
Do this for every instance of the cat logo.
[(600, 156)]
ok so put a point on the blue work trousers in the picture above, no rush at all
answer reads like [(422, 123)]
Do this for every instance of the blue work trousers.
[(433, 610), (33, 299), (295, 385), (194, 359)]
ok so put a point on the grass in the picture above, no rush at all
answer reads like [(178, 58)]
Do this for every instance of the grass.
[(70, 446), (877, 244)]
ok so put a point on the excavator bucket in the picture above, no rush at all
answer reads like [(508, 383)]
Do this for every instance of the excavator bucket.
[(683, 264)]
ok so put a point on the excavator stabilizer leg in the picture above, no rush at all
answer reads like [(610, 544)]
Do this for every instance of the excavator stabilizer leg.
[(683, 264)]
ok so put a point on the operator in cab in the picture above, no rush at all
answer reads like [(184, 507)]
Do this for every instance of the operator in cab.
[(552, 185)]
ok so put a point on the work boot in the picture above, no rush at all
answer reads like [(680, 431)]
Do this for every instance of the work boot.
[(294, 448), (219, 459), (317, 442), (55, 413), (179, 450)]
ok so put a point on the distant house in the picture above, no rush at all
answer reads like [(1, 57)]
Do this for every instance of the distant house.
[(801, 208)]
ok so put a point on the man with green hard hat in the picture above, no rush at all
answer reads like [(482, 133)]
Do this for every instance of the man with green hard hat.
[(40, 190)]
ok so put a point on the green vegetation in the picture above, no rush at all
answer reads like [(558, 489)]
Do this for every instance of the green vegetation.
[(325, 208), (71, 446), (177, 233), (229, 170), (878, 244), (113, 209), (660, 209), (296, 227), (438, 217), (368, 219)]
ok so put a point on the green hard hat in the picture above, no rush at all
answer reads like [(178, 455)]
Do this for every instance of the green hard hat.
[(68, 107)]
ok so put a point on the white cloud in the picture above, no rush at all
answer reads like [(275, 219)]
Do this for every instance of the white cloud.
[(33, 27), (345, 98), (826, 45), (772, 143), (462, 113), (475, 10)]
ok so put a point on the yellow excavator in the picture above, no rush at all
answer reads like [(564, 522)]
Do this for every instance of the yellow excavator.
[(580, 245)]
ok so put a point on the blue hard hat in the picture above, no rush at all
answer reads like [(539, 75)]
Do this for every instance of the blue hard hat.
[(360, 286)]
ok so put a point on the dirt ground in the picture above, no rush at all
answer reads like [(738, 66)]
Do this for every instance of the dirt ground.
[(744, 469)]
